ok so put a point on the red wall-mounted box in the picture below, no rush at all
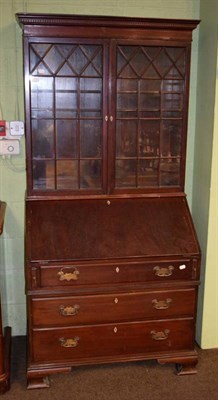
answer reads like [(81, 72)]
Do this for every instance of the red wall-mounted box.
[(2, 128)]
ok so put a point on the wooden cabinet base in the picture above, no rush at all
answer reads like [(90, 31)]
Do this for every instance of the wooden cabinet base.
[(5, 376), (184, 362), (39, 379), (185, 365), (38, 383)]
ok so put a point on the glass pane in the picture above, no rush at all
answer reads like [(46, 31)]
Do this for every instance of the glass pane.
[(163, 63), (172, 85), (174, 72), (170, 172), (67, 174), (177, 54), (127, 101), (66, 104), (90, 138), (125, 173), (34, 60), (90, 101), (40, 48), (41, 84), (124, 55), (150, 114), (132, 61), (171, 114), (37, 53), (43, 175), (149, 101), (43, 138), (91, 70), (67, 140), (65, 49), (149, 85), (149, 139), (126, 134), (87, 60), (66, 84), (152, 51), (42, 98), (139, 62), (65, 71), (148, 173), (127, 85), (90, 84), (172, 136), (90, 174), (180, 63), (172, 102), (151, 73), (90, 114), (66, 97), (53, 59), (41, 69), (94, 57)]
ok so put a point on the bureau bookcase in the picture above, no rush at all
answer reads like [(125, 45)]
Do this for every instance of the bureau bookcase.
[(112, 259)]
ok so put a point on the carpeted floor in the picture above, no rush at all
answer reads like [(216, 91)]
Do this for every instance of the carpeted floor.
[(129, 381)]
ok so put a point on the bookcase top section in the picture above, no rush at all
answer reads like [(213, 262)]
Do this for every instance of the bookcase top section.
[(66, 20)]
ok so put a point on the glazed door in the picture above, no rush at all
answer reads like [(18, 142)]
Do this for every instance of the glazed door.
[(105, 117), (66, 123), (149, 109)]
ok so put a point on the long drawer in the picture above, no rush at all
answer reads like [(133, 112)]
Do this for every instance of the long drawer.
[(85, 342), (88, 274), (76, 310)]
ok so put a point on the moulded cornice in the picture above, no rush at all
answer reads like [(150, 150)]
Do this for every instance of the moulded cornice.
[(88, 20)]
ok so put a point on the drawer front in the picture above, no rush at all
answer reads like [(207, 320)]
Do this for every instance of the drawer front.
[(89, 274), (76, 310), (81, 343)]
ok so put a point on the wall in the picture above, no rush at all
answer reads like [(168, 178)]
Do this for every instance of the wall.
[(205, 192), (12, 177)]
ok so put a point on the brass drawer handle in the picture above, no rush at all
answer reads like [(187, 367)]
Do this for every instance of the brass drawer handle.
[(69, 342), (164, 271), (161, 304), (68, 310), (68, 276), (162, 335)]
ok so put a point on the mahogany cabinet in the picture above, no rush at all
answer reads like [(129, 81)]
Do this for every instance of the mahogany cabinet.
[(112, 258)]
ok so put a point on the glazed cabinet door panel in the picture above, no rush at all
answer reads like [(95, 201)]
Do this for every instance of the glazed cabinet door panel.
[(75, 104), (68, 103), (150, 89)]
